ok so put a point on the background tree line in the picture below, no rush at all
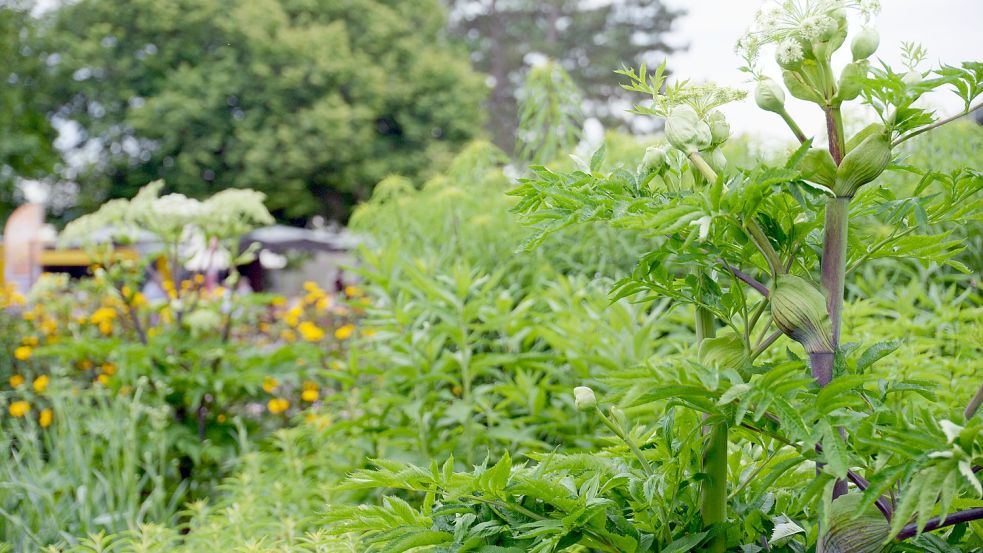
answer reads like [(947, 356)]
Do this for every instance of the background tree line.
[(309, 101)]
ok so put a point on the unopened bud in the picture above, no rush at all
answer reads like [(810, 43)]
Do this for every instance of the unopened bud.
[(584, 399), (865, 43), (911, 78), (799, 310), (863, 164), (719, 128), (769, 96), (723, 352), (654, 160), (818, 166), (686, 132), (851, 81)]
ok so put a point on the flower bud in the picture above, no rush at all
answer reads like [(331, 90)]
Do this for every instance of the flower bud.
[(863, 164), (818, 166), (717, 160), (719, 128), (851, 81), (654, 160), (723, 352), (799, 310), (911, 78), (686, 132), (853, 532), (769, 96), (584, 399), (865, 43), (799, 88)]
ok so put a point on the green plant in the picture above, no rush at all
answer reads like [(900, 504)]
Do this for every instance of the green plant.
[(757, 253)]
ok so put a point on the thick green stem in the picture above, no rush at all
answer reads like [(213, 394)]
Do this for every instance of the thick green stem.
[(703, 167), (713, 495), (834, 260)]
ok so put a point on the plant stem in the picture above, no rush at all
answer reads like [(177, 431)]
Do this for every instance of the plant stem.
[(974, 404), (882, 503), (834, 261), (765, 344), (704, 167), (834, 124), (748, 279), (953, 519), (799, 135), (760, 240), (938, 123), (713, 495), (623, 435)]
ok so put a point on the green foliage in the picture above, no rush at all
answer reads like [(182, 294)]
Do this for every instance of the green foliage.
[(311, 103), (587, 40), (26, 135)]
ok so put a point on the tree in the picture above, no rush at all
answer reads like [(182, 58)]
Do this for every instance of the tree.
[(310, 101), (588, 39), (26, 135)]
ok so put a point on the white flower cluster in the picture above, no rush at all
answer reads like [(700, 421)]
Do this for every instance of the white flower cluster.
[(226, 215), (793, 25)]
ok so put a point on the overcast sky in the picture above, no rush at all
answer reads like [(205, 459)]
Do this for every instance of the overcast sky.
[(951, 30)]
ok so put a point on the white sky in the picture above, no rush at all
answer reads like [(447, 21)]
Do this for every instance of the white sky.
[(951, 30)]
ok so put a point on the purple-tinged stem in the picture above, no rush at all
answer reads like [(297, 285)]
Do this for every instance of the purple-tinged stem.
[(953, 519)]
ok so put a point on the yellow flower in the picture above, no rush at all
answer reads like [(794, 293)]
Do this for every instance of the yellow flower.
[(278, 301), (323, 303), (108, 368), (289, 335), (23, 353), (277, 405), (352, 291), (199, 278), (16, 381), (311, 286), (369, 332), (309, 395), (45, 418), (270, 384), (103, 314), (49, 326), (220, 418), (310, 331), (344, 332), (319, 421), (30, 341), (41, 383), (85, 364), (19, 408), (103, 379), (106, 328)]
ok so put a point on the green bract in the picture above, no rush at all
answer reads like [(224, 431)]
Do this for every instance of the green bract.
[(799, 310), (719, 127), (853, 532), (818, 166), (863, 164), (686, 132)]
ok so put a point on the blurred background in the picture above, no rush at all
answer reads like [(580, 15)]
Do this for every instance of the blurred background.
[(315, 101)]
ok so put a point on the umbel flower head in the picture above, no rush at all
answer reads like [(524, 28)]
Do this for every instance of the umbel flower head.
[(801, 29)]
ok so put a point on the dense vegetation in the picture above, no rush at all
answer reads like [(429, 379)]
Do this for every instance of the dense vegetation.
[(642, 350)]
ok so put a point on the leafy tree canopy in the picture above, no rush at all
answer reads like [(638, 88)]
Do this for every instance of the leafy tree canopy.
[(26, 136), (588, 39), (310, 101)]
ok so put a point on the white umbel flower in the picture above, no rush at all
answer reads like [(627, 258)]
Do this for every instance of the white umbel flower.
[(788, 52)]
